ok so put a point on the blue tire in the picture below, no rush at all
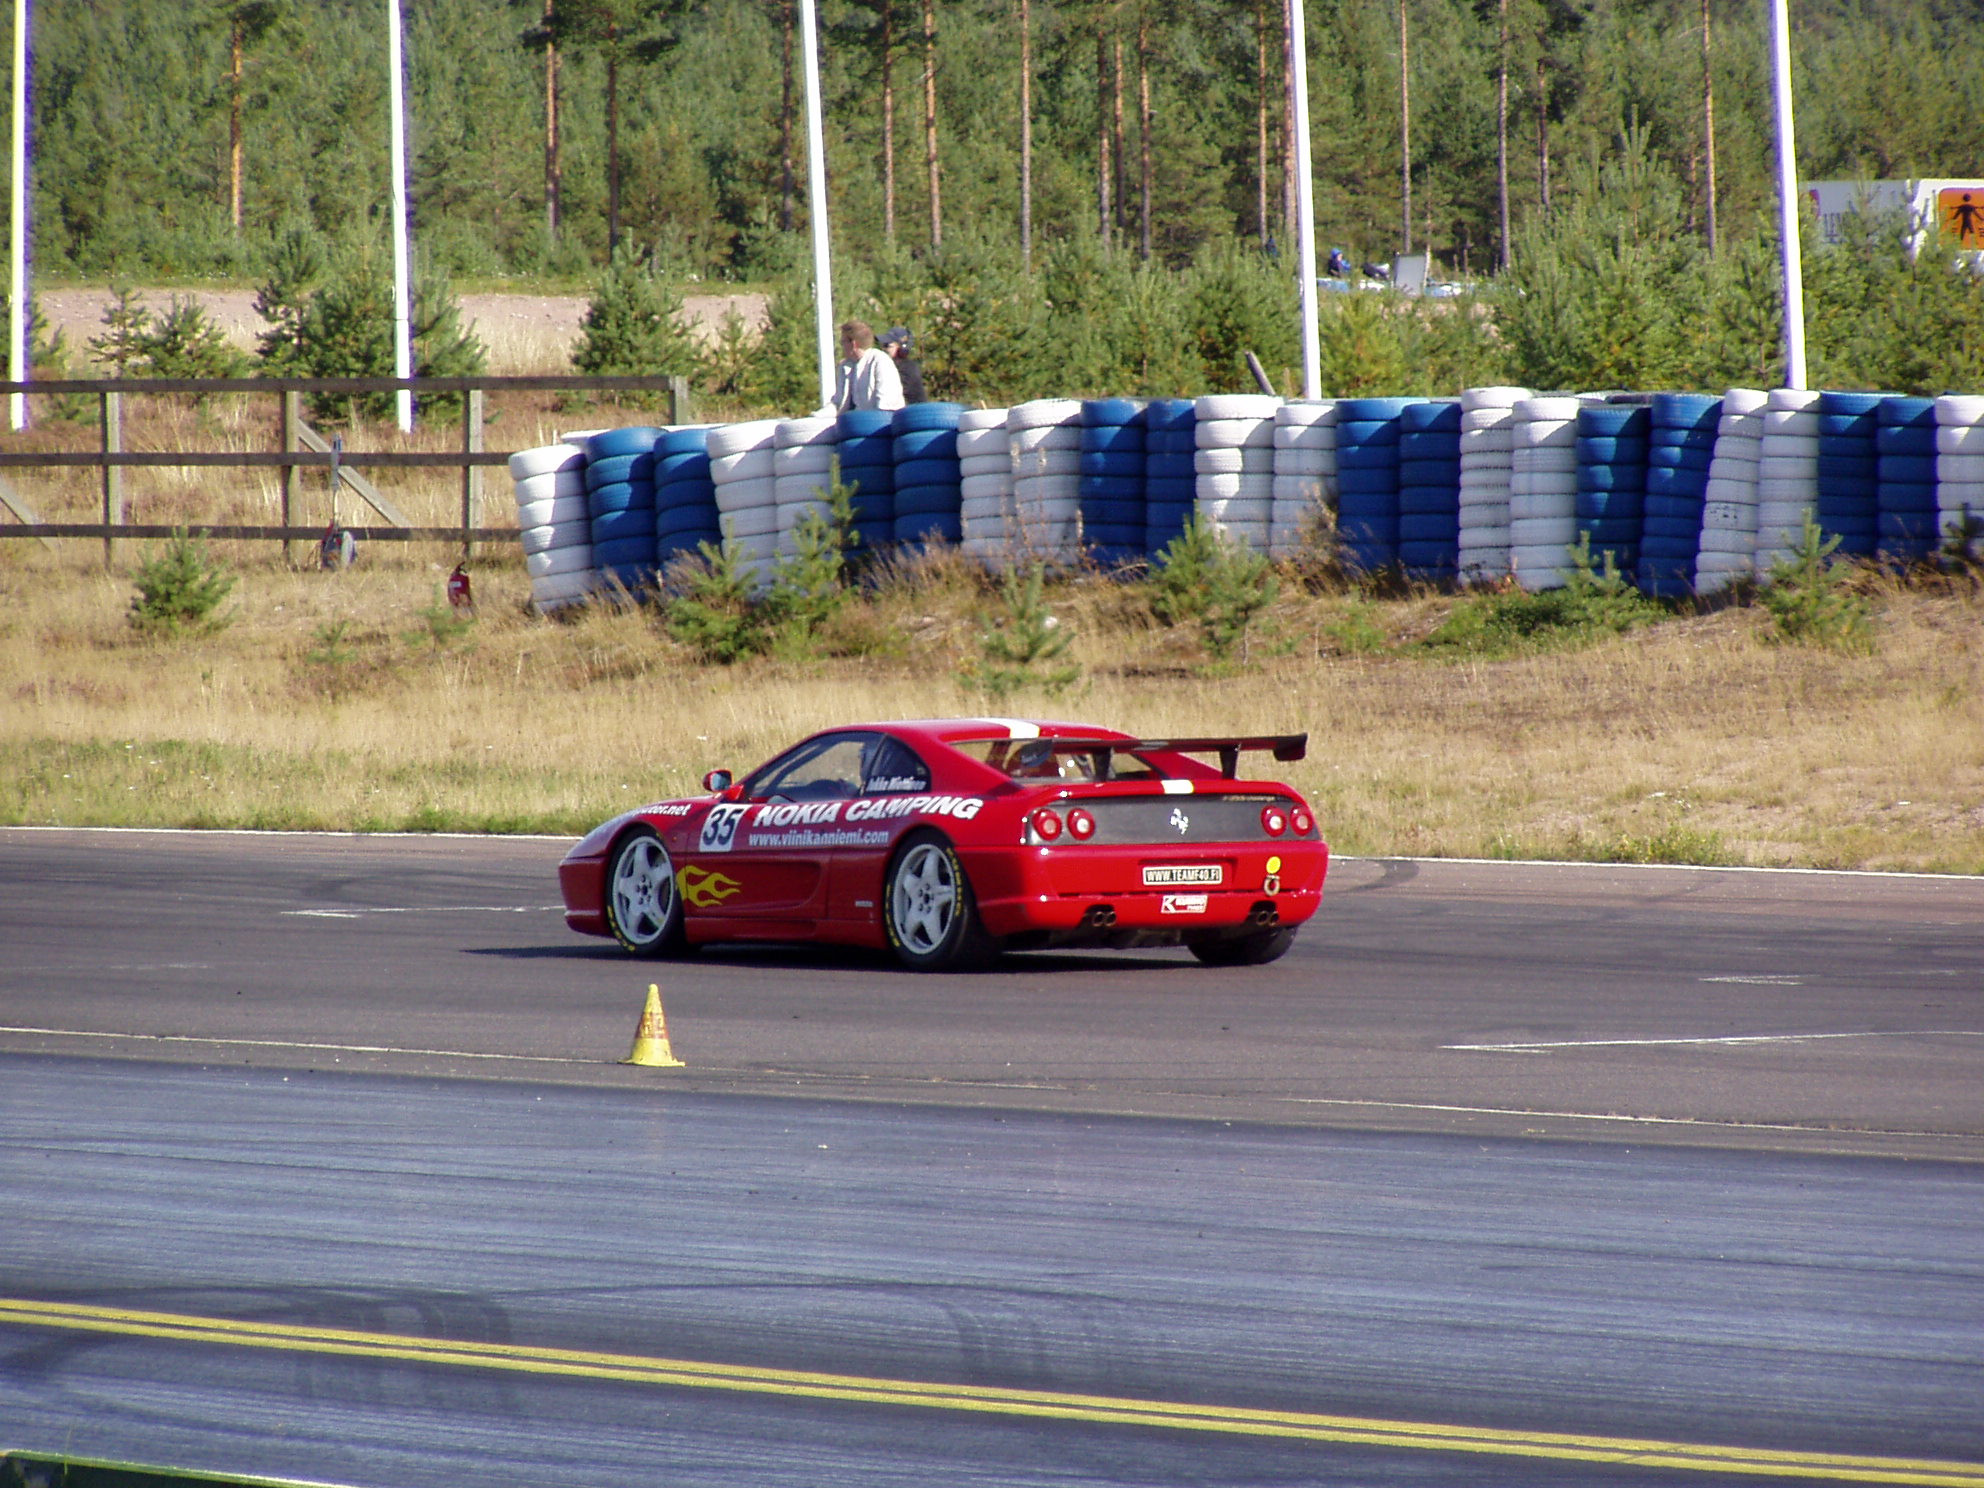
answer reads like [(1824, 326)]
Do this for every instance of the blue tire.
[(619, 443), (623, 496), (683, 442), (1352, 432), (920, 417), (1361, 410), (619, 469), (925, 444), (920, 501), (1104, 412), (1422, 417), (865, 423), (926, 527), (937, 472)]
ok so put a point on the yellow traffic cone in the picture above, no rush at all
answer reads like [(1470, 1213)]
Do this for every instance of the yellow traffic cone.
[(651, 1038)]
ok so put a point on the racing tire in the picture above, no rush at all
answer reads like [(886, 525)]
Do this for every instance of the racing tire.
[(928, 910), (643, 903), (1243, 950)]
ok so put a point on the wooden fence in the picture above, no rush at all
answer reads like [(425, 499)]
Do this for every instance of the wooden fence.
[(302, 449)]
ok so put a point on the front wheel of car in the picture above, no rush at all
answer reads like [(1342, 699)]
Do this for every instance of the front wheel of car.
[(643, 901), (927, 908), (1243, 950)]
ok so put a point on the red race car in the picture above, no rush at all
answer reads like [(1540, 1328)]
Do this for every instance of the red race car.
[(952, 840)]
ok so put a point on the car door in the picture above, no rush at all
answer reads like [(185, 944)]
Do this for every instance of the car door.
[(759, 864), (891, 771)]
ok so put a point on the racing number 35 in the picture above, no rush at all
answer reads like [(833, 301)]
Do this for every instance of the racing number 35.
[(720, 829)]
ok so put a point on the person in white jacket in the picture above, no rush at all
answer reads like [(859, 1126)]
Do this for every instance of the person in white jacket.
[(868, 377)]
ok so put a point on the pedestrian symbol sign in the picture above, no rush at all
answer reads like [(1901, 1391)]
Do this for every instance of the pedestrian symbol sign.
[(1960, 210)]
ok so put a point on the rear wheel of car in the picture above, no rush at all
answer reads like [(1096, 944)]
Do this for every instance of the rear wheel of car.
[(1243, 950), (928, 910), (643, 904)]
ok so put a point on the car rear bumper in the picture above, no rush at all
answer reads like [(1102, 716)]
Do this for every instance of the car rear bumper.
[(1101, 893)]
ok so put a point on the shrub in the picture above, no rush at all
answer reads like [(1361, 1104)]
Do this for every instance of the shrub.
[(634, 328), (1020, 641), (1593, 603), (180, 590), (1204, 579), (1810, 602), (715, 612)]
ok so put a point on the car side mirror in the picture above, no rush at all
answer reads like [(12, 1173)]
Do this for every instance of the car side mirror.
[(716, 782)]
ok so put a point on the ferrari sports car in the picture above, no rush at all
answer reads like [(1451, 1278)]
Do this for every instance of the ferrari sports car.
[(949, 841)]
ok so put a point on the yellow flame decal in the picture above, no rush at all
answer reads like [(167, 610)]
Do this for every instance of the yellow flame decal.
[(705, 887)]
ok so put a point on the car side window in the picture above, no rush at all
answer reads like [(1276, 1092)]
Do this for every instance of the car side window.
[(826, 770), (893, 768)]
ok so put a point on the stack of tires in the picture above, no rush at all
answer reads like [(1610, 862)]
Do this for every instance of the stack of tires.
[(1045, 440), (1170, 475), (1959, 471), (804, 451), (1429, 491), (1611, 450), (1787, 474), (1543, 491), (746, 490), (1680, 449), (1234, 465), (1367, 433), (985, 486), (1487, 466), (685, 515), (555, 523), (867, 449), (1304, 474), (929, 487), (1729, 510), (620, 496), (1114, 516), (1849, 470), (1905, 489)]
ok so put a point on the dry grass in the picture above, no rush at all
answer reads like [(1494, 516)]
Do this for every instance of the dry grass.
[(328, 703)]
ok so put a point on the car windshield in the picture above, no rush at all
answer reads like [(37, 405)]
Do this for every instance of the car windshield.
[(1059, 759)]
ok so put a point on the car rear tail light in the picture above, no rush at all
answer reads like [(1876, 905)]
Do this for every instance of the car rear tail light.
[(1274, 820), (1300, 819), (1081, 824), (1046, 825)]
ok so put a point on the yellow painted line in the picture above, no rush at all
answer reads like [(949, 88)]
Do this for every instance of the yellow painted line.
[(1033, 1404)]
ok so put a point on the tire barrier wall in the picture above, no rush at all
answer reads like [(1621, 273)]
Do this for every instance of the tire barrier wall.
[(1687, 492)]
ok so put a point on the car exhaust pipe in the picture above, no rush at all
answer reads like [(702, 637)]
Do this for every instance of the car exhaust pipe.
[(1100, 917), (1264, 915)]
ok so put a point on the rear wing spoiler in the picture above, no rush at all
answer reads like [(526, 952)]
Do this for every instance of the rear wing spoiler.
[(1229, 748)]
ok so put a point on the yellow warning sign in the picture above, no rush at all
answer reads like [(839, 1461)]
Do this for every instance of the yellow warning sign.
[(1960, 209)]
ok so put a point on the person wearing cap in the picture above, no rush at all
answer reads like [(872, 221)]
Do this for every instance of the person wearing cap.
[(868, 376), (896, 341)]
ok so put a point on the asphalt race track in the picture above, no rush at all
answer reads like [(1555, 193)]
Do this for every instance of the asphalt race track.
[(316, 1161)]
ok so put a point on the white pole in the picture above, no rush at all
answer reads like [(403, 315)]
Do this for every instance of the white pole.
[(816, 202), (402, 306), (1305, 208), (17, 343), (1787, 199)]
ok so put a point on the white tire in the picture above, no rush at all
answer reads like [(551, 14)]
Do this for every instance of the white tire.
[(789, 517), (1959, 410), (1219, 407), (984, 444), (571, 559), (1305, 414), (792, 433), (1044, 413), (1234, 433), (1305, 437), (546, 459), (554, 590), (1782, 421), (1960, 469), (1055, 463), (1543, 508), (978, 420), (1250, 487), (1533, 532), (1299, 461), (1298, 488), (1044, 437), (986, 487), (1484, 478), (1547, 434), (566, 534), (1490, 399), (802, 459), (1547, 410), (752, 521), (1745, 401), (746, 494), (558, 511), (1258, 460), (736, 439), (1786, 492), (999, 464), (549, 486), (1483, 537), (1227, 510), (1960, 440), (750, 464), (1794, 400)]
